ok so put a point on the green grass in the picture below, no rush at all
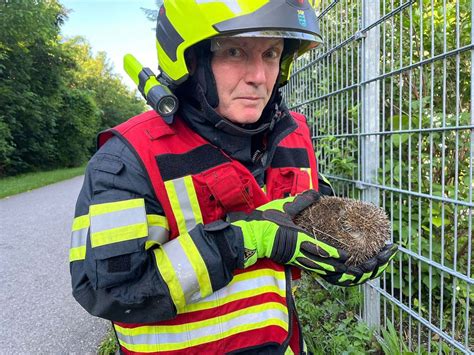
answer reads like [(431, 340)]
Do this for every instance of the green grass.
[(331, 327), (109, 344), (21, 183)]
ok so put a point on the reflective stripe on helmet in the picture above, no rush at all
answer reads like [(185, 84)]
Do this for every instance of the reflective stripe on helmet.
[(166, 338), (184, 203), (80, 230), (233, 5), (115, 222)]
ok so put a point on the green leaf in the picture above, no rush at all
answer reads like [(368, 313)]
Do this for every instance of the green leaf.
[(437, 221)]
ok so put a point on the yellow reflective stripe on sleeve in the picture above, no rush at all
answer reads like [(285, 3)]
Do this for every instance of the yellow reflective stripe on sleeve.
[(80, 230), (242, 286), (193, 334), (168, 273), (308, 171), (80, 222), (184, 269), (158, 230), (76, 254), (289, 351), (120, 234), (157, 220), (115, 222), (198, 264), (115, 206)]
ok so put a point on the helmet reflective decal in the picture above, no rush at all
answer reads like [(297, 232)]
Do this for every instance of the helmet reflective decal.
[(302, 18), (233, 5)]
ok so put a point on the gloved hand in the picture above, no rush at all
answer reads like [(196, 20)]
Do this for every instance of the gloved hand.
[(371, 269), (269, 232)]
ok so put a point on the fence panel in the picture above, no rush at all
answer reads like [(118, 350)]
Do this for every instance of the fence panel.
[(389, 98)]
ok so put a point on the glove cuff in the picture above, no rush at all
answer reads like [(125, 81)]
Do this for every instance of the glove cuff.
[(284, 246)]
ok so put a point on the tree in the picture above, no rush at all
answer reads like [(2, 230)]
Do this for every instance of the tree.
[(95, 75), (152, 14), (54, 95), (31, 63)]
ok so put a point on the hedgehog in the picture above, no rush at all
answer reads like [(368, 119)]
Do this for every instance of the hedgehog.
[(360, 228)]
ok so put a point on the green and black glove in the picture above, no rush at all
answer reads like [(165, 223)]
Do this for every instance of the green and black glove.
[(269, 232), (370, 269)]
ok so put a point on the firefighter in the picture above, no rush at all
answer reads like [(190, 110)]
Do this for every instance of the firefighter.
[(183, 234)]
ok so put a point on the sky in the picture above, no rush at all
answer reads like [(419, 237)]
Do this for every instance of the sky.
[(116, 27)]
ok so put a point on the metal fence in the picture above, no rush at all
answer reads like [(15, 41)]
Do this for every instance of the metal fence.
[(389, 98)]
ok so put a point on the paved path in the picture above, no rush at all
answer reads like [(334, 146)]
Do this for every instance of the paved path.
[(37, 311)]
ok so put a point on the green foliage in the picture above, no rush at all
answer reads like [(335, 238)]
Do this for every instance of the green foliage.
[(425, 148), (94, 75), (54, 96), (109, 345), (31, 63), (391, 342), (6, 147), (76, 128), (329, 326), (432, 163)]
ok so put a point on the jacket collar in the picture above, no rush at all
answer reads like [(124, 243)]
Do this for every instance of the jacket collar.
[(254, 147)]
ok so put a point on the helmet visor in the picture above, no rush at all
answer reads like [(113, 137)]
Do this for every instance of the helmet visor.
[(308, 38)]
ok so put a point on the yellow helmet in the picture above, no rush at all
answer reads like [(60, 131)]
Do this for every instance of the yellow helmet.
[(184, 23)]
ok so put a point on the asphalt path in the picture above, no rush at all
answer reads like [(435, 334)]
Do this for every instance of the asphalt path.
[(37, 311)]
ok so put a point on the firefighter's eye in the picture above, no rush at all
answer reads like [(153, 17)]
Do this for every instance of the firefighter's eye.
[(272, 53), (235, 52)]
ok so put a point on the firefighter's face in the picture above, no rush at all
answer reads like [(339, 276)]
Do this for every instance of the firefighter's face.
[(245, 70)]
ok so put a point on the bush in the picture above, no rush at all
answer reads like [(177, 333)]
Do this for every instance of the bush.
[(329, 325)]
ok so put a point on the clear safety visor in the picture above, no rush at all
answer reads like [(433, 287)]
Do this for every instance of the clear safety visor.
[(311, 40)]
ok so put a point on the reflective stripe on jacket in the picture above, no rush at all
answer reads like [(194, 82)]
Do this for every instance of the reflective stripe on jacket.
[(195, 183)]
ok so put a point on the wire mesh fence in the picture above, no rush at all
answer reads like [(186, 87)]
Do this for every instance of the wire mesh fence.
[(389, 98)]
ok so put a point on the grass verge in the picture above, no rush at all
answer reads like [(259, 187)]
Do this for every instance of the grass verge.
[(13, 185), (109, 345)]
